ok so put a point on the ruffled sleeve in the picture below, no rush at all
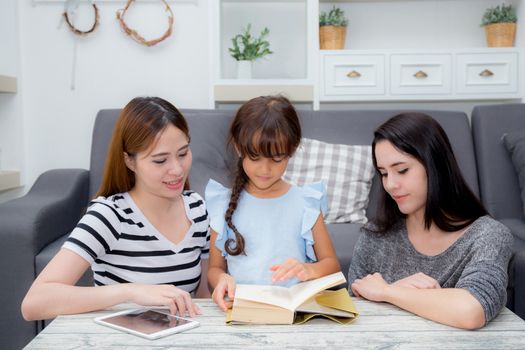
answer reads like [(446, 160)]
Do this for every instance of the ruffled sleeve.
[(314, 195), (217, 199)]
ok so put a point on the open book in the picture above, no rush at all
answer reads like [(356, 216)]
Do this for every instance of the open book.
[(296, 304)]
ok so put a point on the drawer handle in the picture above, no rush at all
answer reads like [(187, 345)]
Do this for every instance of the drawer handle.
[(354, 74), (420, 74), (486, 73)]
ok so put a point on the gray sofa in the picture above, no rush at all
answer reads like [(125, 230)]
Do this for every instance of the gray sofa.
[(35, 225), (499, 186)]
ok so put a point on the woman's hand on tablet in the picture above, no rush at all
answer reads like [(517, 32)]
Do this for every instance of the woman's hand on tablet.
[(178, 300)]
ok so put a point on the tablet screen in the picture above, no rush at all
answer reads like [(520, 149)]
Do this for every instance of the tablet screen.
[(146, 321)]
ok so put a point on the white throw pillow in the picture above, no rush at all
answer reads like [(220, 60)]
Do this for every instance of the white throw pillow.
[(346, 170)]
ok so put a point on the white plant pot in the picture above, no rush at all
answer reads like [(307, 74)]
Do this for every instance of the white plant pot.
[(244, 69)]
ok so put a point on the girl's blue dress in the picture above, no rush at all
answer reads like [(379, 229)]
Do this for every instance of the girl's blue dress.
[(274, 229)]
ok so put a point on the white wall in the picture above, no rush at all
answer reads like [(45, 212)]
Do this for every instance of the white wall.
[(415, 24), (520, 31), (287, 37), (11, 108), (110, 70), (47, 125)]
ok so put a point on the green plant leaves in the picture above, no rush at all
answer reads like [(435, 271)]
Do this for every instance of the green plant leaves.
[(249, 48), (335, 17), (499, 14)]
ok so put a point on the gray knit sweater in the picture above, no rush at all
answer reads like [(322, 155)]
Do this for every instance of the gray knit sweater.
[(477, 261)]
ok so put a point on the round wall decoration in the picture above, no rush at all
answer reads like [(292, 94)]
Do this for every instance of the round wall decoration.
[(135, 35), (69, 9)]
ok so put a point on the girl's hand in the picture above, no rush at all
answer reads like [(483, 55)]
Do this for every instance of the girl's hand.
[(418, 280), (289, 269), (225, 287), (178, 300), (371, 287)]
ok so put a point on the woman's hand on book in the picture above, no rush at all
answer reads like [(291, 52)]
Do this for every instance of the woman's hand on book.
[(291, 268), (225, 288), (178, 300)]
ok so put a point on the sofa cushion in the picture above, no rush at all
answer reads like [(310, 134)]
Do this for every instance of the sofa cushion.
[(515, 143), (346, 171)]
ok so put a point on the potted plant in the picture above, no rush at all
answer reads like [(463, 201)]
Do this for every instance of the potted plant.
[(500, 25), (247, 49), (332, 29)]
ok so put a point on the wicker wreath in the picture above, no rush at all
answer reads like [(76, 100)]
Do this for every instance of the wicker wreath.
[(135, 35), (72, 27)]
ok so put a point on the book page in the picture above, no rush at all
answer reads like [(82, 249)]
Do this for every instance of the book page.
[(303, 291), (288, 298), (313, 307), (274, 295)]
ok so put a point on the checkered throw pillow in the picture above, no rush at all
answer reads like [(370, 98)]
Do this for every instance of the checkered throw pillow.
[(346, 170)]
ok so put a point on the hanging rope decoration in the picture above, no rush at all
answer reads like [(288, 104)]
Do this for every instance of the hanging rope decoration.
[(68, 16), (136, 36), (69, 23)]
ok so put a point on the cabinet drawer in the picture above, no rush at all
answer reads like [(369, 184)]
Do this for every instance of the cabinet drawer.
[(354, 75), (487, 73), (420, 74)]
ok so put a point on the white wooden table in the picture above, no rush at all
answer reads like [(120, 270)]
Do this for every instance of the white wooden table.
[(379, 326)]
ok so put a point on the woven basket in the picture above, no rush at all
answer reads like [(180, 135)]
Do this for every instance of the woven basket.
[(500, 34), (332, 37)]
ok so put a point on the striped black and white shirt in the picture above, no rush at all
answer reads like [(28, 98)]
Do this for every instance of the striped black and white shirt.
[(123, 246)]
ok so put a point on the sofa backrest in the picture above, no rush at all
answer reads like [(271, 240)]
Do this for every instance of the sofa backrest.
[(500, 191), (212, 159), (208, 132), (357, 128), (104, 125)]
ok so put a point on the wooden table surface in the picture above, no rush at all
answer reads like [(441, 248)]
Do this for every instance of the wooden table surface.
[(379, 326)]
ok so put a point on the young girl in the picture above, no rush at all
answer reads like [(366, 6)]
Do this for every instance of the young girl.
[(432, 249), (265, 230), (145, 236)]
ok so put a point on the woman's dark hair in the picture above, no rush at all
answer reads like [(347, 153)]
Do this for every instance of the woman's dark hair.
[(451, 205), (136, 129), (266, 126)]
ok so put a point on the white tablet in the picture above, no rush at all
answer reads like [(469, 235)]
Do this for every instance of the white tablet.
[(147, 323)]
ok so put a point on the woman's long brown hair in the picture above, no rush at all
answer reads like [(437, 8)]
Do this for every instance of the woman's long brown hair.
[(266, 126), (136, 129)]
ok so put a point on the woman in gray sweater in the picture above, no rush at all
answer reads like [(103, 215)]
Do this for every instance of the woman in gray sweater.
[(431, 249)]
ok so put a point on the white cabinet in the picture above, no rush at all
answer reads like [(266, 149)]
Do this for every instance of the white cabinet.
[(420, 74), (488, 73), (397, 75), (396, 50), (356, 75)]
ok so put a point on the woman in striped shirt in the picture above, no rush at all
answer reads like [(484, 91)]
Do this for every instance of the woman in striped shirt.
[(145, 236)]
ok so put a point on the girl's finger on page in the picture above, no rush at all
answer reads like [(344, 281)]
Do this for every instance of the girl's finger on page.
[(274, 267), (293, 272)]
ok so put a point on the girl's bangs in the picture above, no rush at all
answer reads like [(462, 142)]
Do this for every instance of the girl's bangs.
[(266, 144)]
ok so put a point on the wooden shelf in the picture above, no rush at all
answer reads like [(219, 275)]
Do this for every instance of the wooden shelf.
[(9, 179), (237, 91), (7, 84)]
